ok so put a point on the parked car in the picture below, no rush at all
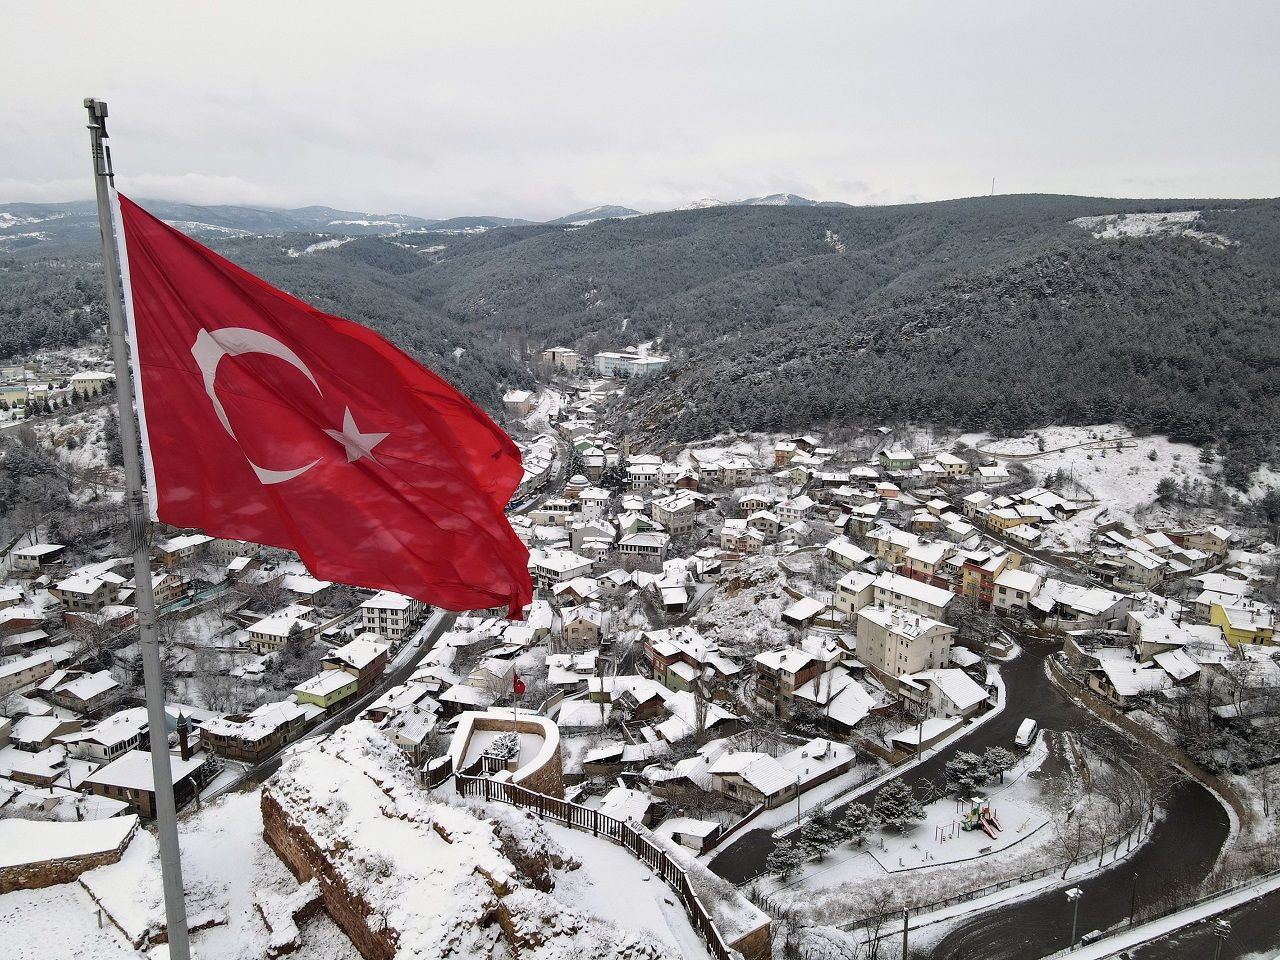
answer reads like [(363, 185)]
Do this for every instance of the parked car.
[(1026, 733)]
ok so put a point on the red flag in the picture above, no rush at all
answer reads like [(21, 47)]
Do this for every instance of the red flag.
[(517, 685), (264, 419)]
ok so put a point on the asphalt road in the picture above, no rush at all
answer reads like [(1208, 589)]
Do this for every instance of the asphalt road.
[(1028, 693), (1184, 843), (430, 632), (1255, 933)]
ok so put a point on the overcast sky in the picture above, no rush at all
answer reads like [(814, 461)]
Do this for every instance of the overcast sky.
[(535, 109)]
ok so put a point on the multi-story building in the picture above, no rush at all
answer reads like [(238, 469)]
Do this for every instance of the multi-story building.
[(550, 567), (779, 673), (570, 360), (979, 572), (893, 641), (675, 512), (392, 615), (612, 364), (892, 589), (679, 655)]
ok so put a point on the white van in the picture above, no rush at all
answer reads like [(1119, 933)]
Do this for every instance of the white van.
[(1026, 733)]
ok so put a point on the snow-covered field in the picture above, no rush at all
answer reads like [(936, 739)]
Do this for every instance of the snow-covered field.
[(622, 891), (1113, 226), (1103, 464)]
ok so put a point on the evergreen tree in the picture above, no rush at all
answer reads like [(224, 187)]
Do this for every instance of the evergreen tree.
[(897, 805), (857, 823), (818, 835), (784, 859), (964, 772), (115, 449), (996, 761)]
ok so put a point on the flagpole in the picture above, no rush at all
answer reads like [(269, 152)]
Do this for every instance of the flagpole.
[(139, 538)]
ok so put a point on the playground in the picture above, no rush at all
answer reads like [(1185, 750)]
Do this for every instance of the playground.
[(1001, 820), (978, 825)]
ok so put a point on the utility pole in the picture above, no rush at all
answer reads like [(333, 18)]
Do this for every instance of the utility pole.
[(139, 538), (1074, 895), (906, 952), (1133, 901), (1221, 930)]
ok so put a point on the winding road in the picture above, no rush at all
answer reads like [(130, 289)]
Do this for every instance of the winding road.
[(1184, 844)]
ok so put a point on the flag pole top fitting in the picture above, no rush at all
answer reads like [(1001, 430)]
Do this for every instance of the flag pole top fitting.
[(97, 113)]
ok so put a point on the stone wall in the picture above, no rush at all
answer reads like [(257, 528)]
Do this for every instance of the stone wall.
[(299, 852), (549, 778), (48, 873)]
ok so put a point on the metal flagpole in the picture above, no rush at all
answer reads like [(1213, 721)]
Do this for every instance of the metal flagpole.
[(139, 537)]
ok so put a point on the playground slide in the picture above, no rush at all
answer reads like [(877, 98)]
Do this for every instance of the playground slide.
[(987, 828), (995, 821)]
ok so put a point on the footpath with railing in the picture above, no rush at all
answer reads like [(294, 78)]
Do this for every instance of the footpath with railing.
[(602, 825), (1224, 894)]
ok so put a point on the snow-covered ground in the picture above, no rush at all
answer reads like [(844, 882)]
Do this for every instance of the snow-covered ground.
[(623, 891), (227, 869), (1103, 464), (1180, 223)]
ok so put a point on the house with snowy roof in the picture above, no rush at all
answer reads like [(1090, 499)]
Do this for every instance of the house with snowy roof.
[(947, 692), (85, 693), (1124, 682), (364, 658), (130, 778)]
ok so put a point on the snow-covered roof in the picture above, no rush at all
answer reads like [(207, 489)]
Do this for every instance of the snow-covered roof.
[(132, 770), (33, 841), (386, 600), (956, 685), (1177, 664), (788, 659), (1022, 580), (1129, 679), (359, 653), (914, 589), (759, 770), (623, 803), (325, 683)]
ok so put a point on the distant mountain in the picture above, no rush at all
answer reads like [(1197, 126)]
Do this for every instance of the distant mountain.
[(608, 212), (706, 203), (54, 225), (779, 200), (991, 313)]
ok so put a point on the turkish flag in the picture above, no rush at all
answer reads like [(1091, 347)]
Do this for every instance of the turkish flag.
[(517, 685), (264, 419)]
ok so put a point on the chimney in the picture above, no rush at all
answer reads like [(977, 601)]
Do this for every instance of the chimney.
[(184, 740)]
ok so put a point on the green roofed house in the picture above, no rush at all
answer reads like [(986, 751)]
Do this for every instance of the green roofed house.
[(326, 689)]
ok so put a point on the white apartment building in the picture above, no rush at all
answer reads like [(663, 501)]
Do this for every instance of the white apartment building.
[(893, 641), (391, 614), (898, 591)]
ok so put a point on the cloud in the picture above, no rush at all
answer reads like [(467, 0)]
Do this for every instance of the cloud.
[(532, 110)]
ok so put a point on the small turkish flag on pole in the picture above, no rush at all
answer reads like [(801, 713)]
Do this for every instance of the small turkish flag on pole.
[(264, 419), (518, 686)]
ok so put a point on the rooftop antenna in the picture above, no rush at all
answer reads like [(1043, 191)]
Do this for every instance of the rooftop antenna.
[(993, 186)]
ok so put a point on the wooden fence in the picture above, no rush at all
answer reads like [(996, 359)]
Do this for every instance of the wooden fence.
[(602, 825)]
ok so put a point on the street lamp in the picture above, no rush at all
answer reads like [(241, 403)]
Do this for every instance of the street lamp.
[(1074, 895), (1221, 930)]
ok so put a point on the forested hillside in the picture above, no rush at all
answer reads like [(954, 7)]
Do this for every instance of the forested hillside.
[(988, 313)]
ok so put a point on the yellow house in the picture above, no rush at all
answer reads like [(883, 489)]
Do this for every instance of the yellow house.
[(327, 688), (13, 393), (1246, 623)]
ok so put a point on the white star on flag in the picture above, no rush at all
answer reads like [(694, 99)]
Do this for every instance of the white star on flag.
[(356, 444)]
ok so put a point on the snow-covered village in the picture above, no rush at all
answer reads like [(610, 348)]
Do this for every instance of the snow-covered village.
[(775, 695), (640, 481)]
